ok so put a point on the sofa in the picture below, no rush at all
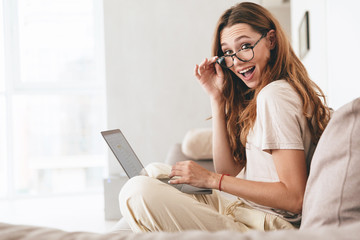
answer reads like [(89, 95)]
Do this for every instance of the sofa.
[(331, 207)]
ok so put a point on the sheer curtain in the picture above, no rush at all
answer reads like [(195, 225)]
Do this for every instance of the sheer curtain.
[(3, 146), (52, 98)]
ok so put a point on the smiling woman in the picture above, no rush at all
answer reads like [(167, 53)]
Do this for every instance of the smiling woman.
[(267, 116)]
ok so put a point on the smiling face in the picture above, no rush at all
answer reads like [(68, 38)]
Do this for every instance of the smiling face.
[(240, 36)]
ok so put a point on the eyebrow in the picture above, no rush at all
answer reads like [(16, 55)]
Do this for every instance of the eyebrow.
[(236, 39)]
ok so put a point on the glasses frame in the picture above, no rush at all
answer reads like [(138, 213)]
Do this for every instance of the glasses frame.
[(222, 58)]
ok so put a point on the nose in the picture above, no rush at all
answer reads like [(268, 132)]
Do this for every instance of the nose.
[(237, 61)]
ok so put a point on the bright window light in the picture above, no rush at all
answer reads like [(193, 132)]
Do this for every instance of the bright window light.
[(3, 150), (57, 42), (54, 96), (57, 146)]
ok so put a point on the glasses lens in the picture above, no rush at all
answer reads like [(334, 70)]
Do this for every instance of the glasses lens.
[(225, 61), (245, 54)]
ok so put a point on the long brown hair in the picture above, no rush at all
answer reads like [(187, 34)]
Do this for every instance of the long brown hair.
[(240, 101)]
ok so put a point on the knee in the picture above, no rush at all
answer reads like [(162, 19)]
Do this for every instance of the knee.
[(137, 190), (134, 186)]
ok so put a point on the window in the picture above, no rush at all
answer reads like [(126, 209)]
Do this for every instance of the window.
[(3, 147), (3, 154), (2, 81), (57, 43), (54, 97)]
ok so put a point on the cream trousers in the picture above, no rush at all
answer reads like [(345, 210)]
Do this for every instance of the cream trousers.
[(149, 205)]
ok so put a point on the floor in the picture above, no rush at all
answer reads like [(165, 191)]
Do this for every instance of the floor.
[(69, 213)]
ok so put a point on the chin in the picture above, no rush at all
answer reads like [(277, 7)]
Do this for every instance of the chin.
[(251, 84)]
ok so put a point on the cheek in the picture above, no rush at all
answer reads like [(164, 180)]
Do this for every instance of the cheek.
[(232, 69), (262, 59)]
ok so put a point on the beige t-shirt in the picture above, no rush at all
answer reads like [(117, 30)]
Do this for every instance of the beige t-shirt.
[(280, 124)]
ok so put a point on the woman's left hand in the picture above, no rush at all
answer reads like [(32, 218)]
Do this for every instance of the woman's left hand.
[(190, 172)]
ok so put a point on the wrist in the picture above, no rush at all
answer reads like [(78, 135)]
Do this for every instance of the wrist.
[(215, 181), (221, 181), (217, 106), (217, 100)]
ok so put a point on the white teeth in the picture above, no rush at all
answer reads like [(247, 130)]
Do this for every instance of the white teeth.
[(245, 70)]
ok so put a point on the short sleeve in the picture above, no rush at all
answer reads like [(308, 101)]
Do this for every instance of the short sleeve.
[(279, 122)]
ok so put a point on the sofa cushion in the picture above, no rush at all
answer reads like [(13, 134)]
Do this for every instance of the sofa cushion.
[(197, 144), (20, 232), (332, 195)]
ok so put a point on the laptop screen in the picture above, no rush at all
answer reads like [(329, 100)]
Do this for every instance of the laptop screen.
[(124, 153)]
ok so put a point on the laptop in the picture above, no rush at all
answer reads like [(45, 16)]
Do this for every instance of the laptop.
[(132, 165)]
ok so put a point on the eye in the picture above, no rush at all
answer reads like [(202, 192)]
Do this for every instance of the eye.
[(245, 46), (227, 52)]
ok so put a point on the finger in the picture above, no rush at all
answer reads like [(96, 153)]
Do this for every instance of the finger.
[(213, 59), (183, 166), (202, 65), (196, 72), (219, 70), (180, 169), (177, 181), (210, 64), (203, 62), (176, 172)]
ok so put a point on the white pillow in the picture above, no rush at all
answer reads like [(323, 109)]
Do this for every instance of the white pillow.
[(333, 188), (197, 144)]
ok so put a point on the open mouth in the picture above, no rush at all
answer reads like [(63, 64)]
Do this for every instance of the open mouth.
[(247, 72)]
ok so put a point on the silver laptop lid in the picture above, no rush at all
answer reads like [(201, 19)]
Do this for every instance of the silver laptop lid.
[(124, 153)]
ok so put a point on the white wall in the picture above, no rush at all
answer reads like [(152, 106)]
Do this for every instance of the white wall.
[(151, 50), (282, 13), (333, 26), (343, 34), (316, 59)]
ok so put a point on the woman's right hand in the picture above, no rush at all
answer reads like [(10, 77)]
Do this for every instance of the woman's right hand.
[(211, 77)]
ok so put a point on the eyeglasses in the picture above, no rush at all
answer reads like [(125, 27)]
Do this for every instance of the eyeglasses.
[(245, 54)]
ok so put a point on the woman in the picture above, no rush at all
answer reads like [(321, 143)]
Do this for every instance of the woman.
[(267, 117)]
